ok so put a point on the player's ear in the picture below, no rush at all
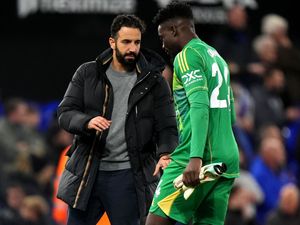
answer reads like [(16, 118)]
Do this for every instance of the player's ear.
[(174, 31)]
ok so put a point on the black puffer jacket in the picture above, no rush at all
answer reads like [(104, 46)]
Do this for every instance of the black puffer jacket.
[(150, 111)]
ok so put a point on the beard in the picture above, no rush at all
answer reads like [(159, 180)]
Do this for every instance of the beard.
[(129, 64)]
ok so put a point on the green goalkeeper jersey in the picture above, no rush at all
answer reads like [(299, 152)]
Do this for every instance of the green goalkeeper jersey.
[(204, 107)]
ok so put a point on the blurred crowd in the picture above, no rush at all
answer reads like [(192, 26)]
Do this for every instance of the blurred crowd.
[(265, 76), (31, 145)]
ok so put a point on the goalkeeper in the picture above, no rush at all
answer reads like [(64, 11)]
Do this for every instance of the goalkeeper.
[(205, 114)]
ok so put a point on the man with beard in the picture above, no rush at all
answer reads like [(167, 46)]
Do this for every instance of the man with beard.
[(120, 109), (205, 113)]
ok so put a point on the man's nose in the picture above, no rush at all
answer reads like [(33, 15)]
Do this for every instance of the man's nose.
[(133, 47)]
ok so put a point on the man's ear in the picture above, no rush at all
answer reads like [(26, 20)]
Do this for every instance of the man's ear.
[(112, 43), (174, 30)]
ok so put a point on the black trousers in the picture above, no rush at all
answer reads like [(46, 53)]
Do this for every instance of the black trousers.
[(114, 193)]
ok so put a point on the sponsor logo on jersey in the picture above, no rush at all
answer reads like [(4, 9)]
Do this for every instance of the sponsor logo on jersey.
[(191, 77)]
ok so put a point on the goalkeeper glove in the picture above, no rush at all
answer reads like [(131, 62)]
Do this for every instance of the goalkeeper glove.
[(208, 172)]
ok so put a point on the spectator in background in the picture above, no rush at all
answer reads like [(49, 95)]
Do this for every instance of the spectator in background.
[(23, 149), (265, 49), (33, 117), (276, 27), (234, 41), (269, 131), (269, 107), (289, 140), (19, 141), (58, 139), (12, 132), (269, 170), (34, 210), (245, 197), (14, 194), (42, 166), (244, 107), (243, 128), (240, 211), (288, 209)]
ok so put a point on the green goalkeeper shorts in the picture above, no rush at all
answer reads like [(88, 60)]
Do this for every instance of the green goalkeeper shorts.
[(207, 204)]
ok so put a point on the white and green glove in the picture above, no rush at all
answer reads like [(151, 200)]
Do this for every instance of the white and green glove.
[(208, 172)]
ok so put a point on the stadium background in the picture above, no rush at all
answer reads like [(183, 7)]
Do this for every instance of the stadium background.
[(41, 50), (43, 42)]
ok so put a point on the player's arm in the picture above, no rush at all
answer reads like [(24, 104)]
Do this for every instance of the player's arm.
[(199, 116), (192, 76), (233, 114), (195, 84)]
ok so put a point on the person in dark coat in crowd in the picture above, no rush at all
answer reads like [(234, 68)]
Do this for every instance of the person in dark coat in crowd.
[(288, 210), (120, 109)]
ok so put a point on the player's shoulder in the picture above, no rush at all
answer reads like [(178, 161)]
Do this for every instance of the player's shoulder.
[(196, 46), (207, 52), (192, 52)]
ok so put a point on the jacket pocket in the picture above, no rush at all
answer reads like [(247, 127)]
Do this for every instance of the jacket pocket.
[(76, 163), (73, 146), (68, 186)]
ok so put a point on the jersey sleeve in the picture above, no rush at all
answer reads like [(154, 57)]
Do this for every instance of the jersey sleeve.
[(191, 72), (199, 115)]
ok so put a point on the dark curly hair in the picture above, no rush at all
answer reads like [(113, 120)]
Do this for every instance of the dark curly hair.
[(175, 9), (126, 20)]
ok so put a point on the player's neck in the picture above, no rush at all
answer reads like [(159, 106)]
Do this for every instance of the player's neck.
[(188, 37)]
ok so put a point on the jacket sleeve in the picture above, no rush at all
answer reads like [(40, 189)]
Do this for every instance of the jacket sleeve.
[(71, 116), (165, 119)]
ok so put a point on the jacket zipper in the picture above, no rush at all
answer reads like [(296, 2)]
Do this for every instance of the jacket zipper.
[(136, 109), (98, 136), (141, 80)]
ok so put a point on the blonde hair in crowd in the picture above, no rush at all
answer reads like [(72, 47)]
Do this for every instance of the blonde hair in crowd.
[(271, 23)]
